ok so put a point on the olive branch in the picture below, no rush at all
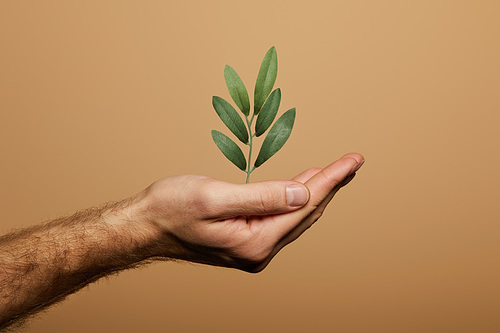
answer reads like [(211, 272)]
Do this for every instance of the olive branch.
[(265, 108)]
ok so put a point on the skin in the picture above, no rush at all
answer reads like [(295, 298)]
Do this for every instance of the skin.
[(190, 217)]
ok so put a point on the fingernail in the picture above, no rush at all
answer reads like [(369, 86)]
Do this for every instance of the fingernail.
[(296, 195), (356, 167)]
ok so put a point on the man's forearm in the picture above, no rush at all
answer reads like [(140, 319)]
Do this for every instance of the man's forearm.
[(43, 264)]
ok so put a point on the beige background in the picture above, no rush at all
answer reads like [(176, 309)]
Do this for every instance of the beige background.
[(99, 98)]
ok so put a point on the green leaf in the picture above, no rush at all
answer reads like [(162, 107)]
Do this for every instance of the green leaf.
[(237, 89), (266, 78), (276, 137), (268, 112), (231, 118), (229, 149)]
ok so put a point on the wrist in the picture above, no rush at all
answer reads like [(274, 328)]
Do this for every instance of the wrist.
[(129, 219), (147, 228)]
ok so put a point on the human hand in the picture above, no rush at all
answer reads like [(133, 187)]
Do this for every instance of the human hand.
[(195, 218), (201, 219)]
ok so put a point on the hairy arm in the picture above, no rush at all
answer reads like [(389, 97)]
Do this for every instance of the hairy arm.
[(42, 264), (190, 217)]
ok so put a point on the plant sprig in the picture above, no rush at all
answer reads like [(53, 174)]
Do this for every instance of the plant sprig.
[(265, 108)]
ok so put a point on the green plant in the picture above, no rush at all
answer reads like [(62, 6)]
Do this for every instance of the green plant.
[(265, 108)]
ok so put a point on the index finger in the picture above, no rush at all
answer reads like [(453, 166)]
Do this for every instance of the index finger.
[(320, 185)]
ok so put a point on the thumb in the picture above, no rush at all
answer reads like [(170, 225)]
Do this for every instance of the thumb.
[(262, 198)]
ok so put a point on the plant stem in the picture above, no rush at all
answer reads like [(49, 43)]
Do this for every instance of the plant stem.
[(249, 170)]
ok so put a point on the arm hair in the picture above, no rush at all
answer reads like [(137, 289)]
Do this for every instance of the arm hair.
[(41, 265)]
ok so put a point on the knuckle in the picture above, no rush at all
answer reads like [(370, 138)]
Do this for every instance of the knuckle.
[(267, 201), (257, 256), (334, 179), (253, 252), (201, 200), (313, 171)]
